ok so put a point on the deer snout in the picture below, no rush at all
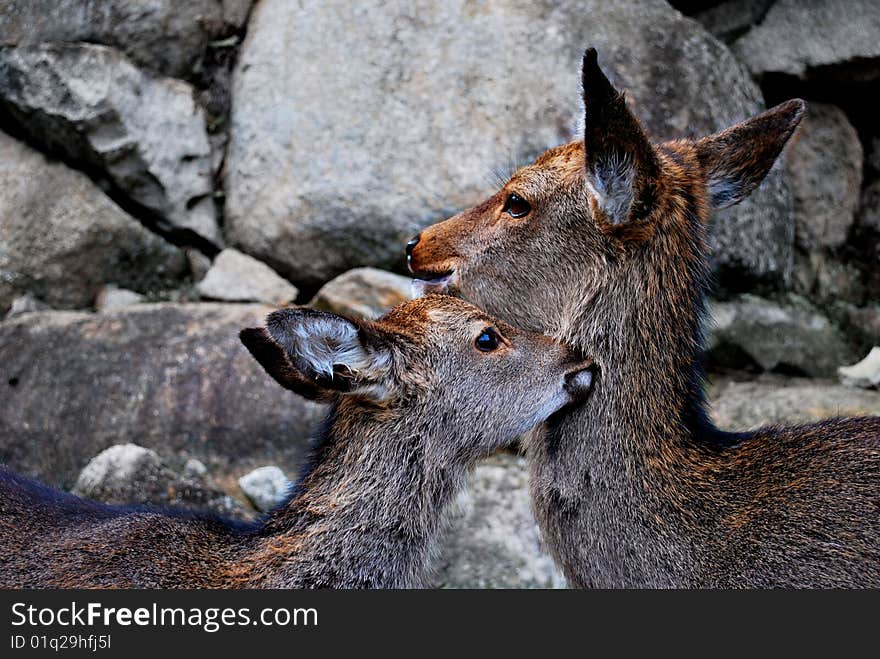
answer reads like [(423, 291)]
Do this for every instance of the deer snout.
[(579, 380)]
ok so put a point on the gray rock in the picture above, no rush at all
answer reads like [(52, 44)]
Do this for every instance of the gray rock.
[(794, 38), (61, 238), (869, 213), (391, 127), (265, 487), (199, 263), (793, 336), (111, 297), (364, 292), (26, 303), (167, 36), (132, 474), (194, 469), (173, 378), (731, 19), (865, 374), (775, 400), (236, 12), (237, 277), (826, 278), (147, 135), (493, 541), (825, 176)]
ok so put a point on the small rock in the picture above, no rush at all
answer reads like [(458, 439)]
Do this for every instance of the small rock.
[(118, 475), (792, 336), (797, 39), (865, 374), (195, 469), (111, 297), (147, 135), (364, 292), (26, 303), (199, 263), (265, 487), (493, 540), (869, 213), (784, 401), (237, 277), (731, 19), (132, 474), (825, 177)]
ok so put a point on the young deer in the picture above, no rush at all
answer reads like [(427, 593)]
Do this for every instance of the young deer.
[(602, 243), (417, 397)]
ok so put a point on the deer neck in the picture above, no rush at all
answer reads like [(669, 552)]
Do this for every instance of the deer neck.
[(368, 511), (613, 480)]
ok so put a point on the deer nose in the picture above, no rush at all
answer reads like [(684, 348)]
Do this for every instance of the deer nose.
[(579, 381), (410, 246)]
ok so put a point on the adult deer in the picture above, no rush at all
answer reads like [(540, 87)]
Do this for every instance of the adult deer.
[(602, 242)]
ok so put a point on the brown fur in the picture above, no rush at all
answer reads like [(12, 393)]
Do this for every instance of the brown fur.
[(636, 487), (414, 405)]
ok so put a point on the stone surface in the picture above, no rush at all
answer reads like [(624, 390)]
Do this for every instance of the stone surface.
[(869, 213), (792, 336), (26, 303), (132, 474), (61, 238), (265, 487), (794, 39), (776, 400), (111, 297), (145, 134), (402, 110), (864, 374), (364, 292), (493, 540), (237, 277), (173, 378), (825, 177), (168, 36), (826, 278), (731, 19)]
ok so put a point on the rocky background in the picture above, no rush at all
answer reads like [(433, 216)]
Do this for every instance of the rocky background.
[(170, 170)]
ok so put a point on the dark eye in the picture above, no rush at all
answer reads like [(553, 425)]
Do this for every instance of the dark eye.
[(516, 206), (488, 340)]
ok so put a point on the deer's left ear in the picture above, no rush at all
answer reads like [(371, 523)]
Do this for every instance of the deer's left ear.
[(622, 169), (334, 354), (736, 160)]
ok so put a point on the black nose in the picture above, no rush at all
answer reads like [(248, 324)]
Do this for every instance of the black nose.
[(410, 246)]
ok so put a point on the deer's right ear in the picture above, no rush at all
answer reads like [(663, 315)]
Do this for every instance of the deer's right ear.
[(622, 169), (275, 362), (333, 354)]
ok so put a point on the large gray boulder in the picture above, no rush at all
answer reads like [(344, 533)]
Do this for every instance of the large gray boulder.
[(145, 134), (172, 378), (788, 336), (800, 38), (493, 540), (825, 176), (167, 36), (353, 125), (61, 238), (784, 401)]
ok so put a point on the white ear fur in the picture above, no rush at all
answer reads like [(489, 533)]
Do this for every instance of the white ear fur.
[(320, 344), (611, 181)]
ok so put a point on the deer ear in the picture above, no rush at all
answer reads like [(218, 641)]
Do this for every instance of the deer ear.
[(333, 354), (622, 168), (275, 362), (736, 160)]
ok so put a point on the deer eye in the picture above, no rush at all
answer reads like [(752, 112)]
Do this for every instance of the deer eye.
[(488, 340), (516, 206)]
